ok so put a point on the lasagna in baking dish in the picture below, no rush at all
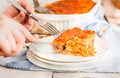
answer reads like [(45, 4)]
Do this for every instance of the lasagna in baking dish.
[(76, 42)]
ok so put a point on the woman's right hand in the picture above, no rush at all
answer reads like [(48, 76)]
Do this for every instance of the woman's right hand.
[(12, 36), (20, 16)]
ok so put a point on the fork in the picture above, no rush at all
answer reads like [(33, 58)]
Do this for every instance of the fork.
[(47, 26), (50, 28), (40, 9)]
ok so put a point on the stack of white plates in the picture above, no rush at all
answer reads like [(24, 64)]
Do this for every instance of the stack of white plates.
[(46, 56)]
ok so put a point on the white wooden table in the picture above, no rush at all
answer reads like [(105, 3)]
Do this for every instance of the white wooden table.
[(12, 73)]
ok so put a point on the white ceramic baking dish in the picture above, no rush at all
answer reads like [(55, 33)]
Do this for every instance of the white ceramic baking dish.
[(65, 21)]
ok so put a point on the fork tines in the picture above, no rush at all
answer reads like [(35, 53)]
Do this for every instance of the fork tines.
[(41, 9), (50, 28)]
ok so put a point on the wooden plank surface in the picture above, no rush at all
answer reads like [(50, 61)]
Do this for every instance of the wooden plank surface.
[(86, 75), (12, 73)]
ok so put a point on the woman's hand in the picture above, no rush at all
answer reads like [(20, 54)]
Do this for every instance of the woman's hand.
[(19, 16), (12, 36)]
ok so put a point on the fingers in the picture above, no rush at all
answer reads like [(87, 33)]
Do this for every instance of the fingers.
[(29, 23), (14, 13), (1, 54), (23, 19), (7, 44), (21, 36), (11, 11), (20, 40), (12, 42), (13, 36), (27, 5), (20, 17), (27, 35), (5, 47)]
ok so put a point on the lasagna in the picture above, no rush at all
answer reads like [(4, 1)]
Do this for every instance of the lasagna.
[(76, 42), (71, 6)]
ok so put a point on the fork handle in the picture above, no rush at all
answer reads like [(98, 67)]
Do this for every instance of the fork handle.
[(19, 7), (36, 4)]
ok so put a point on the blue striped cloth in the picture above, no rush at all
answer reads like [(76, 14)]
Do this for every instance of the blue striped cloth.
[(17, 62)]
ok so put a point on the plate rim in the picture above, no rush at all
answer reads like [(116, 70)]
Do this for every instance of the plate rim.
[(62, 64), (64, 68)]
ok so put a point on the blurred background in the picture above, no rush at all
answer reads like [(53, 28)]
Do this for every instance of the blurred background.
[(3, 5)]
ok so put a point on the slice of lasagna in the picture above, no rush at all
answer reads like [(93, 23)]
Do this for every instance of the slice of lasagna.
[(76, 42)]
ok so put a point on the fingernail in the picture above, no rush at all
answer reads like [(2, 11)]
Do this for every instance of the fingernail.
[(33, 39), (36, 40)]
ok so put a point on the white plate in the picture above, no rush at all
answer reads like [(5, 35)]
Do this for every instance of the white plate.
[(87, 65), (116, 28), (46, 51), (63, 63)]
